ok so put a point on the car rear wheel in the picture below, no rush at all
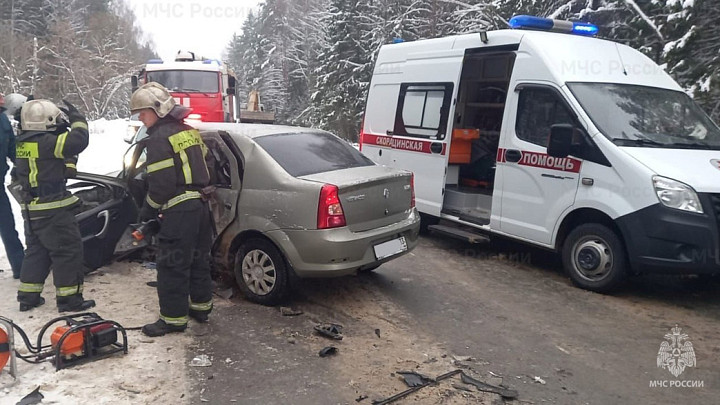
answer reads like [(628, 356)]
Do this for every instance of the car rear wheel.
[(260, 272), (594, 258)]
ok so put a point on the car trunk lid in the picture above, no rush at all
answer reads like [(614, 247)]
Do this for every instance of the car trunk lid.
[(371, 196)]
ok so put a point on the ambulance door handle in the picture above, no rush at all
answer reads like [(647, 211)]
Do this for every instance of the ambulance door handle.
[(436, 147), (513, 155)]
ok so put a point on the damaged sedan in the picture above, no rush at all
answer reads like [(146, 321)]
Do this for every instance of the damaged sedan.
[(287, 202)]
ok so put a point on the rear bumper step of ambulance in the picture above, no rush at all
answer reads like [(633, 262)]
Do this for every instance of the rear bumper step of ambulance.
[(457, 233)]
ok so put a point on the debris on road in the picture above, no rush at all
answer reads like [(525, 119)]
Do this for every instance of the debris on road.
[(288, 311), (201, 361), (331, 330), (361, 398), (328, 351), (377, 332), (34, 397), (462, 358), (504, 392), (539, 380), (226, 293), (413, 379)]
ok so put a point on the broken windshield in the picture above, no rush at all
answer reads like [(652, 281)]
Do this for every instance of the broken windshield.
[(631, 115)]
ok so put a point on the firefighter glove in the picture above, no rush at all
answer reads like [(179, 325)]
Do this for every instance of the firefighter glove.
[(72, 113), (147, 213)]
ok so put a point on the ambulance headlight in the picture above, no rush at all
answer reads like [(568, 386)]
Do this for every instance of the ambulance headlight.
[(675, 194)]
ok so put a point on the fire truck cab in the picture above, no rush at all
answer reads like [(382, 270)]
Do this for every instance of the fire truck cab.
[(557, 139), (205, 85)]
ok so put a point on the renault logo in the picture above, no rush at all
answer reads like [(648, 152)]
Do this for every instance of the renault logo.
[(386, 193)]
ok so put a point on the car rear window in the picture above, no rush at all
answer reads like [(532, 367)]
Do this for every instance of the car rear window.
[(301, 154)]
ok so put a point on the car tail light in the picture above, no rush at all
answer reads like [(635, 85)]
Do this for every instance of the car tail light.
[(330, 212), (412, 190)]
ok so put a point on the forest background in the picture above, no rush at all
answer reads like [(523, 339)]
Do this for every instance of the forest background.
[(311, 60)]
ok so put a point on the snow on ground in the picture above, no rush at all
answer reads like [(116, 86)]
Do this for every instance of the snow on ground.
[(153, 371)]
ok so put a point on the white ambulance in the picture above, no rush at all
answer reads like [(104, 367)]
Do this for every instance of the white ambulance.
[(561, 140)]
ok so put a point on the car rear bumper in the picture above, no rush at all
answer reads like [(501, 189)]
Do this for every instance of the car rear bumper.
[(339, 252)]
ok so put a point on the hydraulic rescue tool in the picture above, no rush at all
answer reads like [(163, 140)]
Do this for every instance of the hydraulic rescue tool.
[(83, 337)]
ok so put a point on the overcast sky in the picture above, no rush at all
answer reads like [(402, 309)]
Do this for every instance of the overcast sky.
[(204, 27)]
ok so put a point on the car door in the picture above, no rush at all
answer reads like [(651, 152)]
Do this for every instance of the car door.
[(105, 212), (225, 176), (536, 187)]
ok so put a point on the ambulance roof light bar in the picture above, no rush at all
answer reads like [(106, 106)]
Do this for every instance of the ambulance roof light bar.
[(529, 22)]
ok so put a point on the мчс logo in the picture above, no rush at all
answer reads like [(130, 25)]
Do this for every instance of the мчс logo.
[(676, 352)]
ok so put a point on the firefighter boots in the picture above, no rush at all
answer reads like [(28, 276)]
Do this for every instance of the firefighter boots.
[(160, 328), (200, 316), (74, 303), (29, 301)]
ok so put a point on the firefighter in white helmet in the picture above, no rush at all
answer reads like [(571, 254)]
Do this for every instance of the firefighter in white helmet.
[(51, 231), (177, 176)]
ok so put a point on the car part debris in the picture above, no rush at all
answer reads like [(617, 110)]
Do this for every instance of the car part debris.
[(32, 398), (84, 337), (539, 380), (201, 361), (328, 351), (503, 392), (331, 330), (413, 379), (287, 311)]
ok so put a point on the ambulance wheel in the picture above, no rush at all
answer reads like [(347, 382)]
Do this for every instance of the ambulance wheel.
[(260, 272), (594, 258)]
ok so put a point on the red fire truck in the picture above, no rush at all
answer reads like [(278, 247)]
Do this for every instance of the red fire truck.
[(205, 85)]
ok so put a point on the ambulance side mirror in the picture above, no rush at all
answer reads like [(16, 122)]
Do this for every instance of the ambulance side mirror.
[(560, 140), (134, 83)]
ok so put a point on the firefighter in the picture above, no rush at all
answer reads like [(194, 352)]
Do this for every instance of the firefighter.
[(51, 231), (177, 174)]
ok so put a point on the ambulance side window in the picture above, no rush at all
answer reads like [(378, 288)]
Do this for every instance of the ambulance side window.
[(538, 110), (423, 110)]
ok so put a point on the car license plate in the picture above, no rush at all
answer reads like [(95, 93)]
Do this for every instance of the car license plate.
[(390, 248)]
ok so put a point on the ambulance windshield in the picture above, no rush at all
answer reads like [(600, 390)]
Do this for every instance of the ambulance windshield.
[(633, 115)]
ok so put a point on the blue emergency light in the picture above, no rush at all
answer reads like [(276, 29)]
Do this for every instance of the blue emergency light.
[(529, 22), (212, 62), (154, 61)]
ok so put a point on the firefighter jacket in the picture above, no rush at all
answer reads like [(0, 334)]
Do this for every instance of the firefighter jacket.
[(40, 167), (176, 168), (7, 143)]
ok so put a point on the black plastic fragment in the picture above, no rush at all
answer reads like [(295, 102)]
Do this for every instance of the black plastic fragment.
[(32, 398), (503, 392), (327, 351), (413, 379), (331, 330)]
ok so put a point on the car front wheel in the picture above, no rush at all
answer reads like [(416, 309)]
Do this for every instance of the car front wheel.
[(260, 272), (594, 258)]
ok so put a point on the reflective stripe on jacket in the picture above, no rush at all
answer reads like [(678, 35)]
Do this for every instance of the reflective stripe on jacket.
[(40, 162), (176, 168)]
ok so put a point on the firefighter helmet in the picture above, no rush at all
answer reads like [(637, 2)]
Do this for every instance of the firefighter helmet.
[(152, 95), (39, 115)]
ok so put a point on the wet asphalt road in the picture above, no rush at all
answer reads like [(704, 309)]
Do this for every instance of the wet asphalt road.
[(506, 305)]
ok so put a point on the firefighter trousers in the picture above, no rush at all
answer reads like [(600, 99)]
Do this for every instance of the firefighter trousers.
[(183, 262), (52, 242), (9, 235)]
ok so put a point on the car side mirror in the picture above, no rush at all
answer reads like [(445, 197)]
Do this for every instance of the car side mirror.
[(560, 141), (231, 91), (134, 83)]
